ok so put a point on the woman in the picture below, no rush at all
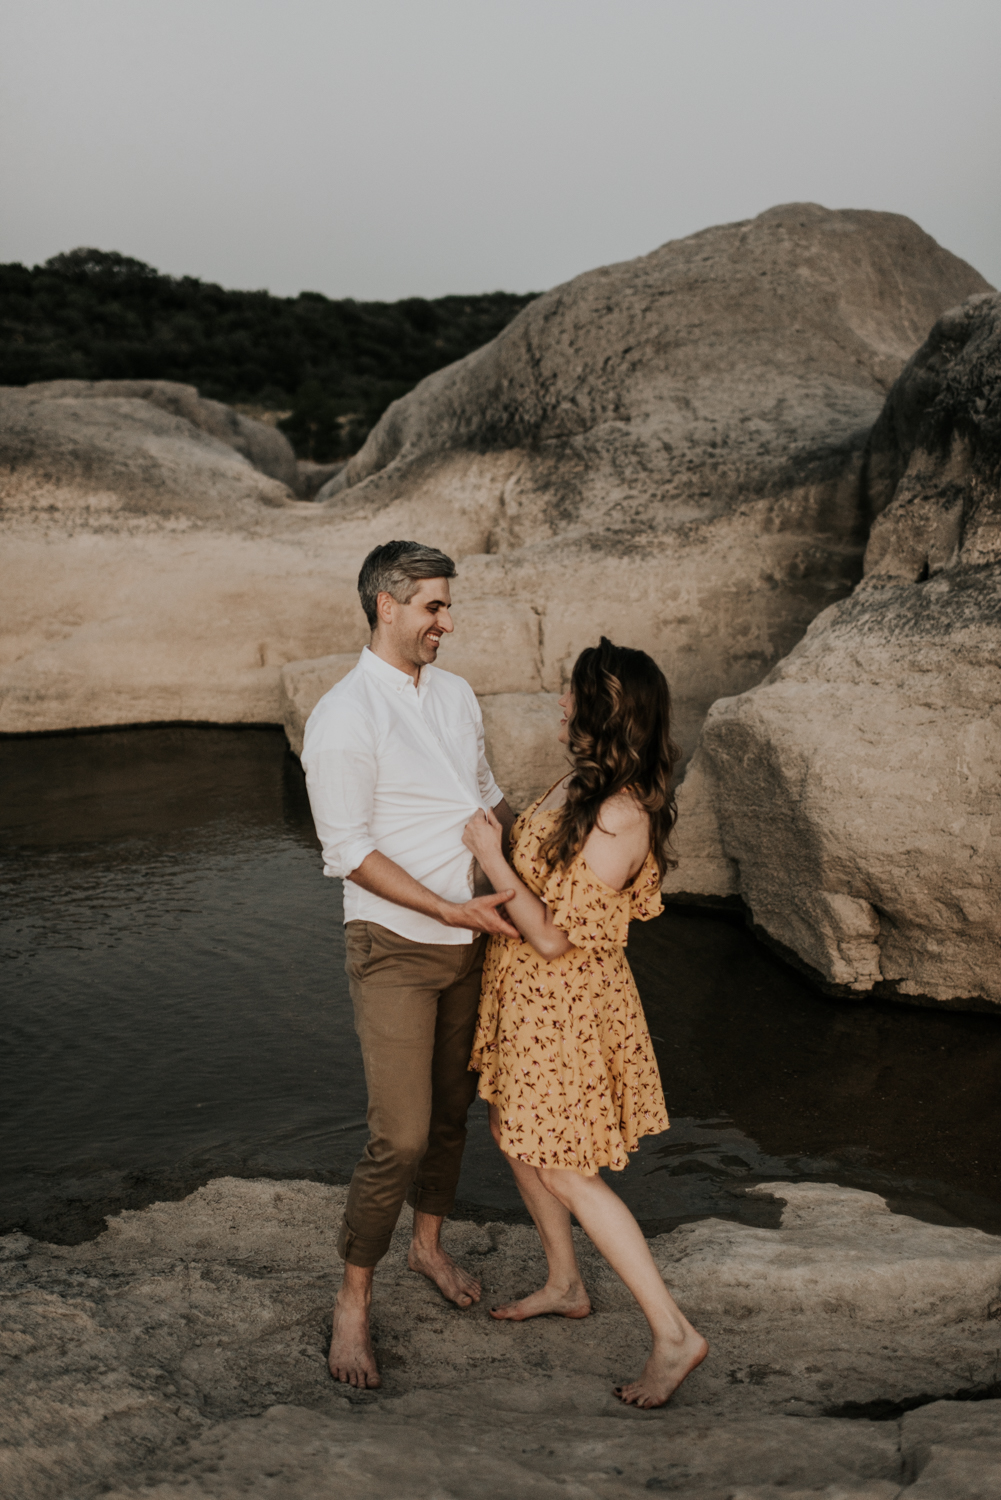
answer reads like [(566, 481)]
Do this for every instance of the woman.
[(562, 1047)]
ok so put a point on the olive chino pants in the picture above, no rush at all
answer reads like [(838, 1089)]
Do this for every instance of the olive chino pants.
[(415, 1008)]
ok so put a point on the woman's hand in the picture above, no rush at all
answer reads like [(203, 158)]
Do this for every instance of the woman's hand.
[(484, 838)]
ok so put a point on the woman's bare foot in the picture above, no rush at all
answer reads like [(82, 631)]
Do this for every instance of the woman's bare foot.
[(438, 1266), (351, 1359), (667, 1367), (569, 1302)]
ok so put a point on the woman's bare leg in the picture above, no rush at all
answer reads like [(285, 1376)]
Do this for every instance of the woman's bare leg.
[(564, 1289), (611, 1228)]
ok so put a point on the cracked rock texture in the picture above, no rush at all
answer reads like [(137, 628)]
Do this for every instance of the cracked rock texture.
[(182, 1353), (852, 798), (667, 450)]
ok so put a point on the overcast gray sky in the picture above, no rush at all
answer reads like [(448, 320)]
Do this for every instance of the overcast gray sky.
[(385, 148)]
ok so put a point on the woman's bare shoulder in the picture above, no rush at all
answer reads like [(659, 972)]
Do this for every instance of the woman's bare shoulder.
[(618, 843), (623, 814)]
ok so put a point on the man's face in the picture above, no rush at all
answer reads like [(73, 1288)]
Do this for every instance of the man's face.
[(414, 630)]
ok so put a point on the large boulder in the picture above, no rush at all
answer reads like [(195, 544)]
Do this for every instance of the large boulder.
[(670, 446), (261, 444), (852, 798), (666, 450)]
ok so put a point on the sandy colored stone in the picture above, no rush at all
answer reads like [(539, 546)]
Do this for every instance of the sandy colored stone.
[(952, 1450), (667, 450), (888, 1269), (520, 733), (150, 573), (311, 477), (674, 441), (183, 1352), (260, 443), (302, 685), (537, 1455), (851, 799)]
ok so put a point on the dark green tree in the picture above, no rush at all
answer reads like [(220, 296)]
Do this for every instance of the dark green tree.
[(335, 364)]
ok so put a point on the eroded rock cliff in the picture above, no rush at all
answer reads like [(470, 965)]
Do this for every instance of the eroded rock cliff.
[(672, 444), (666, 450), (852, 799)]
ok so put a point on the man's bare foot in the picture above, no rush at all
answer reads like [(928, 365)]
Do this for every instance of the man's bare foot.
[(438, 1266), (351, 1359), (667, 1367), (572, 1302)]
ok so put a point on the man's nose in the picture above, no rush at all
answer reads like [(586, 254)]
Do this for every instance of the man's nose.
[(445, 621)]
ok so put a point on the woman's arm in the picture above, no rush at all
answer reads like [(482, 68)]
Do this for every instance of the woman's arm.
[(532, 917), (614, 851)]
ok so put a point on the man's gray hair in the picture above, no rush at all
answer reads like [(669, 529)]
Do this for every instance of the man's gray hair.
[(397, 568)]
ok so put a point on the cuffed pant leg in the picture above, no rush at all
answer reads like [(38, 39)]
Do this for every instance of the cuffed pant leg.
[(395, 988), (453, 1086)]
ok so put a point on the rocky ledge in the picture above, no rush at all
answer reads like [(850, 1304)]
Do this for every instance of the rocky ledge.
[(854, 1355), (852, 798)]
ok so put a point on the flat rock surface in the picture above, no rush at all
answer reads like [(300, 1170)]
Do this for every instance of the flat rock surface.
[(183, 1352)]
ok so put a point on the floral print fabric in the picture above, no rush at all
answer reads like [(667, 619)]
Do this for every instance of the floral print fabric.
[(562, 1046)]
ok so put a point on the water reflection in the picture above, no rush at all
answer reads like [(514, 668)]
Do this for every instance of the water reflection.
[(174, 1008)]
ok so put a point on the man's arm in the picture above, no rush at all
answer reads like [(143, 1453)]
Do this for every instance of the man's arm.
[(383, 877)]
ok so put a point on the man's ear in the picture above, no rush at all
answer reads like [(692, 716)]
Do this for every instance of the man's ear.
[(384, 608)]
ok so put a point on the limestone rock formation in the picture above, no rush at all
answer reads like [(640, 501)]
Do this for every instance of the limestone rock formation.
[(261, 445), (671, 445), (665, 450), (522, 748), (183, 1353), (852, 798)]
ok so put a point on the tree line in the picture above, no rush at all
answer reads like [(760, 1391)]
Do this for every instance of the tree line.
[(335, 364)]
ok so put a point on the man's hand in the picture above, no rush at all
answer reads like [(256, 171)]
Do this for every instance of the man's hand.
[(380, 875), (482, 914)]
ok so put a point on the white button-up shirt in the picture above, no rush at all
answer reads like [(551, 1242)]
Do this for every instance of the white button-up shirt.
[(399, 768)]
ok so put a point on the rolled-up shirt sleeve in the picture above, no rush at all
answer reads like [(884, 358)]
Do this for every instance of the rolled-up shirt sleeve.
[(490, 792), (340, 779)]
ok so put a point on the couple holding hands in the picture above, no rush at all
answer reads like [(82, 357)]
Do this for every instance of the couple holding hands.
[(527, 987)]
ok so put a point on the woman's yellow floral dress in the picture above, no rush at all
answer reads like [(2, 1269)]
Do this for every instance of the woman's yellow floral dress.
[(562, 1046)]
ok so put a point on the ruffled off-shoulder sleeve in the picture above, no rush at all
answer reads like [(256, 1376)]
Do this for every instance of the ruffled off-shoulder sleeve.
[(644, 893), (592, 914)]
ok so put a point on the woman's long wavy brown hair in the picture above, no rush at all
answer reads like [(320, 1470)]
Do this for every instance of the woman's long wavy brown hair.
[(619, 735)]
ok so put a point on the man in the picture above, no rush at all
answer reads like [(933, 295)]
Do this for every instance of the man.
[(395, 768)]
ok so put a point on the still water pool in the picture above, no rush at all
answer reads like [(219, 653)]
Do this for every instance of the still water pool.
[(174, 1008)]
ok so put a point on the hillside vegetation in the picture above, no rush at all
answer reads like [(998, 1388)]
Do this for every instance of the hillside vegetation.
[(334, 364)]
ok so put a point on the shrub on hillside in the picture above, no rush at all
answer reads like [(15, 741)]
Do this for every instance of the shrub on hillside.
[(97, 315)]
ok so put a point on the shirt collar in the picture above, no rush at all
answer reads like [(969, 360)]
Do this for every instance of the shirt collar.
[(392, 676)]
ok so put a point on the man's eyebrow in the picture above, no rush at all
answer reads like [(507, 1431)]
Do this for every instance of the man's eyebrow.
[(437, 603)]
